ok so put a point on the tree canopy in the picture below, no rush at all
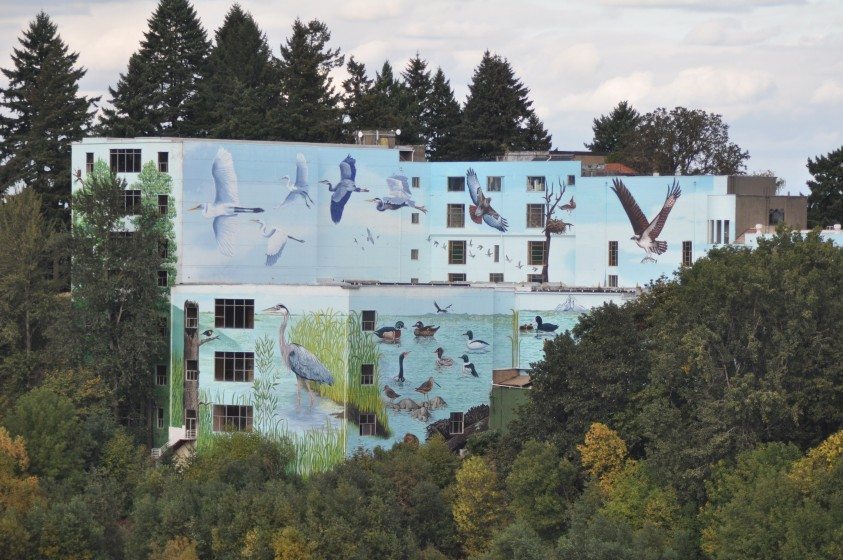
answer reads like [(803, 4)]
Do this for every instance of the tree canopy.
[(616, 131), (825, 203)]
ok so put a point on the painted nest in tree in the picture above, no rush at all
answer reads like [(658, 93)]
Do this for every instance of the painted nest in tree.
[(557, 226)]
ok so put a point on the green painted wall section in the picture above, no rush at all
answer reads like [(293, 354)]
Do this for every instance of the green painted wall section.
[(502, 404)]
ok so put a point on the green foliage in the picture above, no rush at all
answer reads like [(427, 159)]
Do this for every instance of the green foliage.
[(616, 131), (477, 501), (518, 541), (155, 97), (443, 120), (309, 109), (497, 114), (240, 85), (825, 204), (54, 436), (42, 113)]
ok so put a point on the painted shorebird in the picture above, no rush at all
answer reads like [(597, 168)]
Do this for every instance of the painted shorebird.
[(426, 387)]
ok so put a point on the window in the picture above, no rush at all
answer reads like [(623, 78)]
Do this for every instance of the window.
[(159, 417), (131, 201), (414, 254), (495, 277), (414, 218), (457, 423), (414, 280), (535, 253), (613, 280), (190, 423), (535, 184), (456, 184), (776, 216), (415, 182), (368, 425), (163, 204), (456, 252), (613, 253), (456, 215), (234, 366), (715, 231), (456, 277), (687, 253), (234, 313), (89, 162), (161, 374), (164, 162), (572, 179), (163, 327), (367, 374), (535, 215), (125, 160), (497, 253), (719, 230), (232, 417), (367, 322), (535, 278), (191, 315), (493, 184), (725, 231), (191, 370), (163, 248), (163, 279)]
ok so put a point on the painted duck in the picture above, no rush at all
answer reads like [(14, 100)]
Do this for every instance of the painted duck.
[(400, 377), (525, 327), (424, 330), (390, 334), (441, 359), (468, 367), (475, 344), (541, 326)]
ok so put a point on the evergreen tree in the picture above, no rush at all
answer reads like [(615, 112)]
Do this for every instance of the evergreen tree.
[(357, 98), (497, 112), (309, 109), (443, 120), (379, 104), (418, 87), (156, 95), (42, 113), (536, 136), (615, 131), (241, 83), (825, 204)]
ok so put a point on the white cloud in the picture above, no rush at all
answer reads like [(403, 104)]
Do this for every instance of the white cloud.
[(707, 5), (709, 86), (829, 92), (727, 32), (371, 10)]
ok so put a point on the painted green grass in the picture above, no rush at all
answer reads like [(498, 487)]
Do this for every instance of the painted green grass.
[(264, 395), (317, 450), (177, 390), (515, 338), (362, 349)]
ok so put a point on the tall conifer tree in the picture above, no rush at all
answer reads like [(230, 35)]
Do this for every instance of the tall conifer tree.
[(444, 117), (497, 112), (156, 95), (241, 84), (42, 113), (418, 87), (310, 108)]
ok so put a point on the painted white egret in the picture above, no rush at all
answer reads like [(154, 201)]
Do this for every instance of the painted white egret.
[(276, 240), (226, 205), (398, 197), (299, 188)]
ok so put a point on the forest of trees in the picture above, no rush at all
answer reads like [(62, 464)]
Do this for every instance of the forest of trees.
[(703, 420)]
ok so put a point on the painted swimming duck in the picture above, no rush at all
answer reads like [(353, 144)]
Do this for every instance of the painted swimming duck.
[(468, 367), (441, 359), (541, 326), (400, 377), (424, 330), (390, 334), (525, 327), (475, 344)]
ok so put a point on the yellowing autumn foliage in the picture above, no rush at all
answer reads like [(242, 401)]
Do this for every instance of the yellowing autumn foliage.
[(290, 544), (18, 491), (179, 548), (817, 463), (603, 454), (478, 511)]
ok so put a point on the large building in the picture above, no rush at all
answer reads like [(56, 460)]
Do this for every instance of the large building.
[(350, 239)]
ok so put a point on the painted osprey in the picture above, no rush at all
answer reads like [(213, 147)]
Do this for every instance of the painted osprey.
[(647, 232), (482, 207)]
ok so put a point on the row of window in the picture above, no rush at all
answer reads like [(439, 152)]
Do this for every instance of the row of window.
[(495, 183), (132, 202), (718, 231), (536, 252), (455, 216), (687, 253), (127, 160)]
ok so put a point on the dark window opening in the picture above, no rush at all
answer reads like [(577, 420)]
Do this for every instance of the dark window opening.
[(234, 313), (125, 160), (234, 366)]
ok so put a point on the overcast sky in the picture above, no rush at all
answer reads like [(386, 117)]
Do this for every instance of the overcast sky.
[(772, 68)]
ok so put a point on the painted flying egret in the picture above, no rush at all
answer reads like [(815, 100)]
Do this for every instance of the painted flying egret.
[(302, 362), (342, 190), (299, 188), (225, 207), (398, 197), (276, 240)]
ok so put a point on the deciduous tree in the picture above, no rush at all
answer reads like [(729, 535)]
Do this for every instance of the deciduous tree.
[(477, 502)]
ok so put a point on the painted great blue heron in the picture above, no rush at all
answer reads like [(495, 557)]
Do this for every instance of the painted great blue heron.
[(226, 205), (342, 190), (276, 240), (305, 366), (299, 188)]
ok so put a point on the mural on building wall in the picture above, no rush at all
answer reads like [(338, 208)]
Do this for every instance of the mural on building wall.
[(398, 196), (482, 209), (646, 233), (276, 240), (299, 189), (341, 192)]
